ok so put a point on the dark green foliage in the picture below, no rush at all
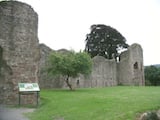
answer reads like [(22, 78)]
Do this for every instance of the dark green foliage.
[(104, 41), (69, 64), (152, 75)]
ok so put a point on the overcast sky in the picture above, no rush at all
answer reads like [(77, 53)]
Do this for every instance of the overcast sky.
[(65, 23)]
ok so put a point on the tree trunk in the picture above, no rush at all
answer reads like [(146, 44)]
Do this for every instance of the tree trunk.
[(69, 85)]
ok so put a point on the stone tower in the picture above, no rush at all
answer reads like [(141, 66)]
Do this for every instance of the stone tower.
[(19, 49), (130, 68)]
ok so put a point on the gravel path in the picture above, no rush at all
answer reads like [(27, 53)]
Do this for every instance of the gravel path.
[(7, 113)]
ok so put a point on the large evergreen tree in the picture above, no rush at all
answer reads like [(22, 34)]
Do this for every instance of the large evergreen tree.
[(104, 41)]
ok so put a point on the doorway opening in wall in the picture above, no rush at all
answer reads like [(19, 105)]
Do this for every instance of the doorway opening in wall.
[(135, 65)]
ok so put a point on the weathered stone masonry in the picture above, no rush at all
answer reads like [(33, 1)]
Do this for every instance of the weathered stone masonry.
[(19, 49), (130, 68)]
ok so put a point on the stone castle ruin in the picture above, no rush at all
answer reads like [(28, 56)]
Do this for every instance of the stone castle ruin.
[(23, 59), (128, 71)]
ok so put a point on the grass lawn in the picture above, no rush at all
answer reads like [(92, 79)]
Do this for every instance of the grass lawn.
[(110, 103)]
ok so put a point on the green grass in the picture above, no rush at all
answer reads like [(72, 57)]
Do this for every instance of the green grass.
[(111, 103)]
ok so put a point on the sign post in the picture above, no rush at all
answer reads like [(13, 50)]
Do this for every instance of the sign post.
[(28, 88)]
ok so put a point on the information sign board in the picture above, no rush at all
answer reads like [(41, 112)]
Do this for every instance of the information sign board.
[(28, 87)]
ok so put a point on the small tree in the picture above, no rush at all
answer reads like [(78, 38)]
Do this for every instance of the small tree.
[(70, 64)]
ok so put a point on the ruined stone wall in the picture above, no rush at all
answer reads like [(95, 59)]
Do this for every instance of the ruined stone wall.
[(130, 68), (124, 69), (128, 71), (43, 76), (103, 74), (45, 80), (20, 49)]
